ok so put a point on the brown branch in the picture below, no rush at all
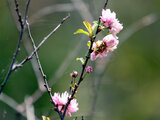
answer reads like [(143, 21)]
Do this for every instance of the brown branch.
[(42, 42), (18, 14), (18, 45), (42, 72), (105, 5)]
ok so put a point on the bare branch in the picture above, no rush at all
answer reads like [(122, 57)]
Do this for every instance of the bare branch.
[(18, 14), (42, 72), (17, 49), (35, 65), (105, 5), (42, 42)]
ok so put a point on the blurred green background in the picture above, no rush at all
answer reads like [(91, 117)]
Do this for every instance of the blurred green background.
[(129, 85)]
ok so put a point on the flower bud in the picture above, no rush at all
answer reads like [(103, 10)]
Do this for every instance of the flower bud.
[(74, 74), (89, 69)]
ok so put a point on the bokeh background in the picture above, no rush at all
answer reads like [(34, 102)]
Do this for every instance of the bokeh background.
[(123, 86)]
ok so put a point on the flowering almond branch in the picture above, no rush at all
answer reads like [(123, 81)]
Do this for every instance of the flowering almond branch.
[(107, 22), (22, 24), (92, 39)]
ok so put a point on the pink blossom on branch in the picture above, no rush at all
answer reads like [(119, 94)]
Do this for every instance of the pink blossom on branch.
[(109, 19), (115, 27), (61, 101), (101, 48), (110, 42), (93, 56)]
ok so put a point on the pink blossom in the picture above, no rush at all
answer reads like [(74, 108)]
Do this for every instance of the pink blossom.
[(116, 27), (101, 48), (89, 69), (110, 42), (62, 100), (56, 98), (109, 19), (72, 107), (93, 56)]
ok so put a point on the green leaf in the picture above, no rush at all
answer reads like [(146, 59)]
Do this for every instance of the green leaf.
[(88, 26), (81, 31), (81, 59), (45, 118)]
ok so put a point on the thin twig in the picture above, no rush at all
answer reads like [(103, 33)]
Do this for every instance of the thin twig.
[(70, 88), (18, 14), (42, 42), (42, 72), (105, 5), (17, 49), (38, 75)]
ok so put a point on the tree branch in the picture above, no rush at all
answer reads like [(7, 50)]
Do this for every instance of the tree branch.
[(42, 72), (42, 42), (18, 45)]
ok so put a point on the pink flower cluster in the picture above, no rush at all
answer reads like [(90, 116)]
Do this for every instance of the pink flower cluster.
[(61, 101), (101, 48), (110, 42), (109, 19)]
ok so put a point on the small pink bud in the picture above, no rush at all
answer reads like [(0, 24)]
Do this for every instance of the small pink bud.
[(74, 74), (89, 69)]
